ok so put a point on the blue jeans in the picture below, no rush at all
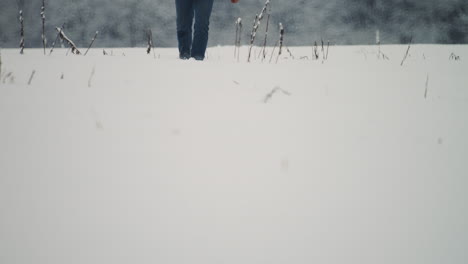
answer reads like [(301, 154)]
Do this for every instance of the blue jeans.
[(186, 11)]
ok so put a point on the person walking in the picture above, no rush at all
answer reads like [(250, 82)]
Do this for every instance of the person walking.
[(188, 10)]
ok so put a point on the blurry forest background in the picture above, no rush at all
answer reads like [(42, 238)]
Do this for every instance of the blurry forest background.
[(122, 23)]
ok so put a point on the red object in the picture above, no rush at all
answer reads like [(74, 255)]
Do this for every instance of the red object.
[(234, 1)]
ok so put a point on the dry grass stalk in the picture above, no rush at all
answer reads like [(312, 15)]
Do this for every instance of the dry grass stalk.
[(290, 53), (257, 21), (266, 31), (44, 40), (252, 37), (323, 50), (380, 54), (237, 43), (150, 47), (328, 47), (21, 19), (56, 39), (64, 37), (281, 30), (273, 51), (9, 76), (407, 53), (31, 77), (92, 42), (315, 54)]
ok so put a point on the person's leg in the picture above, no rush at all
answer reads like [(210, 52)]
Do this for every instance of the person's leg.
[(202, 22), (184, 10)]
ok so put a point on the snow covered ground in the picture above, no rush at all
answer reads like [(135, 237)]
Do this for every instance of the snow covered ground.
[(131, 159)]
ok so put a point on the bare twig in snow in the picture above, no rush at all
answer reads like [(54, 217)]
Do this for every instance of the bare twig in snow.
[(273, 51), (328, 47), (8, 76), (92, 42), (289, 52), (427, 85), (56, 38), (31, 77), (453, 56), (380, 54), (407, 52), (273, 91), (150, 43), (91, 76)]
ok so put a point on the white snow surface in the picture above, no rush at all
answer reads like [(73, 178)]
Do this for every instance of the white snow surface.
[(158, 160)]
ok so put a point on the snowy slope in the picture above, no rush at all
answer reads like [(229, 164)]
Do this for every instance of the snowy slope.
[(166, 161)]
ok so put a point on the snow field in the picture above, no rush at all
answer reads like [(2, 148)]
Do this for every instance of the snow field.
[(159, 160)]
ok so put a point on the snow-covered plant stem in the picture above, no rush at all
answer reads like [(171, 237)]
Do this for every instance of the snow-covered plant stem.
[(323, 50), (238, 38), (281, 40), (64, 37), (235, 39), (252, 37), (92, 42), (43, 26), (257, 21), (266, 31), (380, 54), (150, 47), (21, 32), (315, 55)]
